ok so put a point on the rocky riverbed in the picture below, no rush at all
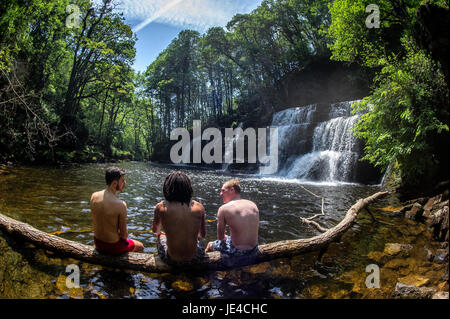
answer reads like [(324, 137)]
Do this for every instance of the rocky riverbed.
[(423, 281)]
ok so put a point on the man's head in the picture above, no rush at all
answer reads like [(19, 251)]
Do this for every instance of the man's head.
[(177, 188), (115, 178), (230, 190)]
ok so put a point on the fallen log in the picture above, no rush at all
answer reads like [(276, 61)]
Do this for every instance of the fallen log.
[(212, 261)]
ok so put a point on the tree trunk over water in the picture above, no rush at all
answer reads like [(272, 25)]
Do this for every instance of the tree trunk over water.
[(212, 261)]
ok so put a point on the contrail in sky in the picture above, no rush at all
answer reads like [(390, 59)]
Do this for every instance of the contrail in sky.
[(159, 13)]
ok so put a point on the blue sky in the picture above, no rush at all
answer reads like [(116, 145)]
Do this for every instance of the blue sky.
[(157, 22)]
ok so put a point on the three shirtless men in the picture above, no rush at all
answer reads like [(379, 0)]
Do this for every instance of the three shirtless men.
[(182, 219)]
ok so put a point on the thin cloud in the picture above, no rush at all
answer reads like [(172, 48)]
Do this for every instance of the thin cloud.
[(195, 14)]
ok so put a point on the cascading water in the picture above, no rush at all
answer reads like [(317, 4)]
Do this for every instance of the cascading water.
[(316, 142), (229, 150)]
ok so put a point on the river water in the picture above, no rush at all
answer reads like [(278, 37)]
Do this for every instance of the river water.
[(56, 200)]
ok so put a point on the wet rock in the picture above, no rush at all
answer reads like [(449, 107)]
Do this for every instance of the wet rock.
[(182, 285), (430, 254), (445, 275), (396, 264), (376, 256), (440, 295), (441, 256), (340, 294), (283, 271), (414, 280), (432, 202), (397, 250), (390, 251), (260, 268), (316, 292), (443, 286), (403, 291), (421, 200), (437, 222), (415, 213)]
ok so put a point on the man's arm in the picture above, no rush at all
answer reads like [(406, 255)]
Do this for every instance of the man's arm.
[(123, 233), (156, 226), (221, 224)]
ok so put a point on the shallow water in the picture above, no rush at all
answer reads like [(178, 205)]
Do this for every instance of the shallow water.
[(56, 200)]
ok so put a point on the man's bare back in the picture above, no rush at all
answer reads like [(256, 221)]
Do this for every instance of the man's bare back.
[(242, 217), (109, 216), (182, 225), (107, 212)]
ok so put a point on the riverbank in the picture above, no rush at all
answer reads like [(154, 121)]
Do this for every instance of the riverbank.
[(427, 279)]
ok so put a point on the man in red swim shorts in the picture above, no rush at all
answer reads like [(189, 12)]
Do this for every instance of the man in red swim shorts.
[(109, 217)]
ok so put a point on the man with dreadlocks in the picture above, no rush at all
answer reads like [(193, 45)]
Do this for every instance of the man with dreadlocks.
[(182, 219)]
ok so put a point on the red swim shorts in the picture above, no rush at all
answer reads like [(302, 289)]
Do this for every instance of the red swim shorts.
[(122, 246)]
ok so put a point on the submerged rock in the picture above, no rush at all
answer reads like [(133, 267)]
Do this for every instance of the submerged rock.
[(260, 268), (391, 250), (430, 254), (414, 280), (403, 291), (440, 295), (441, 256), (445, 275), (443, 286), (398, 250), (415, 213), (182, 285), (396, 264)]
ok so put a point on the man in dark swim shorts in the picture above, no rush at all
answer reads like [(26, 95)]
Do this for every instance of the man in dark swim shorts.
[(226, 247), (182, 219), (242, 218), (163, 251), (109, 217)]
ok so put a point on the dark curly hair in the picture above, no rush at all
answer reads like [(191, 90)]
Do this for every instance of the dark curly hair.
[(178, 188), (113, 174)]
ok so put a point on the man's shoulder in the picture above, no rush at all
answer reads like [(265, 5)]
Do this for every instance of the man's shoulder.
[(249, 202), (236, 205), (246, 202), (225, 208), (197, 206), (160, 206), (98, 193)]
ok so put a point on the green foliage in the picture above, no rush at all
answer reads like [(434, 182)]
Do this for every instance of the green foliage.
[(405, 115), (354, 42), (62, 87), (405, 119)]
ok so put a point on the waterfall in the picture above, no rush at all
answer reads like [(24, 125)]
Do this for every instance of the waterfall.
[(316, 142), (229, 150)]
